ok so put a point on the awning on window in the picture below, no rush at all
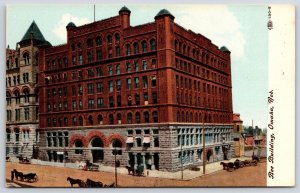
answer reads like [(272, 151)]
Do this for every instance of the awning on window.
[(129, 140), (146, 140)]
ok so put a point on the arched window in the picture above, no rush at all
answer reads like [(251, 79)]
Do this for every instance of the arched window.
[(153, 44), (8, 98), (119, 118), (136, 48), (100, 119), (144, 46), (178, 116), (155, 116), (176, 45), (26, 58), (146, 117), (191, 117), (79, 45), (80, 119), (129, 118), (78, 147), (91, 122), (137, 117), (26, 95), (89, 43), (98, 41), (109, 39), (117, 37), (17, 96), (111, 119), (182, 117), (128, 51)]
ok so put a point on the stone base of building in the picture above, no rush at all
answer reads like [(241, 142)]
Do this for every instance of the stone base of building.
[(165, 147)]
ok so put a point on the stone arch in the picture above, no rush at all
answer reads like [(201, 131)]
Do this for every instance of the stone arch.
[(94, 134), (76, 137), (118, 137)]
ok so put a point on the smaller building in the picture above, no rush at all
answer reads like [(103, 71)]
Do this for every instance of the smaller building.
[(238, 130)]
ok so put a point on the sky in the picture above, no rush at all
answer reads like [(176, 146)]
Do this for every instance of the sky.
[(242, 29)]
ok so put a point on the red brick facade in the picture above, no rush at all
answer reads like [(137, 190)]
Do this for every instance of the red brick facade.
[(112, 73)]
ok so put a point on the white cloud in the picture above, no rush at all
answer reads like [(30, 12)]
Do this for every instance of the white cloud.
[(215, 22), (60, 28)]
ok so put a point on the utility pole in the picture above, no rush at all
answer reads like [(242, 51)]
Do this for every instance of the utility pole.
[(203, 141), (253, 139), (181, 158), (116, 178)]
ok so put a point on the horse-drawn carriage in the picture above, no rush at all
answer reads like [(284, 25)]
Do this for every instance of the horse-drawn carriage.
[(24, 160), (88, 166)]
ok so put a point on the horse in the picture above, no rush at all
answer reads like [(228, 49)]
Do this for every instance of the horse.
[(237, 163), (18, 175), (92, 184), (31, 177), (225, 165), (230, 167), (130, 169), (74, 181), (247, 162)]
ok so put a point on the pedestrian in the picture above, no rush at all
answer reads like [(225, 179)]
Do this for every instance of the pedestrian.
[(12, 176)]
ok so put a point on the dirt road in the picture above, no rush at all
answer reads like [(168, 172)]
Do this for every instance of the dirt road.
[(56, 177)]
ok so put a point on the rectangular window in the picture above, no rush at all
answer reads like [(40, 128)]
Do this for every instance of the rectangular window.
[(65, 105), (145, 65), (111, 101), (118, 83), (90, 88), (128, 67), (80, 104), (73, 90), (90, 73), (118, 69), (18, 114), (99, 87), (153, 81), (145, 82), (137, 99), (99, 72), (74, 105), (91, 103), (80, 89), (136, 66), (110, 71), (111, 86), (129, 83), (100, 103), (137, 82), (119, 100), (99, 55), (80, 59), (154, 98)]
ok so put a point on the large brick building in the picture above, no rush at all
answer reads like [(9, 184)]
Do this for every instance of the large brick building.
[(145, 90), (22, 93)]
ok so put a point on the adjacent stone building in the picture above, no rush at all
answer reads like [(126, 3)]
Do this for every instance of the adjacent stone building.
[(22, 94), (145, 92)]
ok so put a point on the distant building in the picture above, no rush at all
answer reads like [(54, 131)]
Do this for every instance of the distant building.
[(238, 138), (22, 94), (143, 91)]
